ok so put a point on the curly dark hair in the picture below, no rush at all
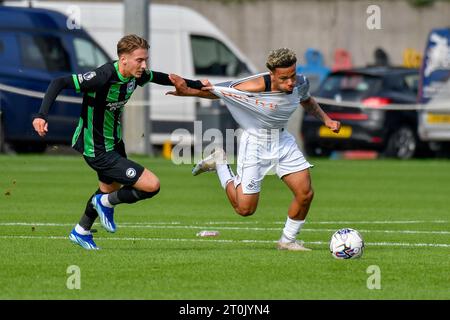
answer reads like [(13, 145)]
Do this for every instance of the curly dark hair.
[(280, 58)]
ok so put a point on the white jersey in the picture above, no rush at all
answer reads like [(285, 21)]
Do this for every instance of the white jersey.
[(258, 112)]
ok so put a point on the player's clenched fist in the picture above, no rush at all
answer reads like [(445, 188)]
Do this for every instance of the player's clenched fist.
[(333, 125)]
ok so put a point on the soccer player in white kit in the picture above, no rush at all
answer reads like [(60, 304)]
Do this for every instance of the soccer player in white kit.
[(261, 105)]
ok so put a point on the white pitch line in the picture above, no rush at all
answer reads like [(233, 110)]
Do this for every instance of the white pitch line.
[(34, 224), (277, 229), (332, 222), (379, 222), (240, 222), (394, 244), (151, 226)]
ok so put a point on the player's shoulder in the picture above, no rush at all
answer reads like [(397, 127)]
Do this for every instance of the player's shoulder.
[(253, 83), (104, 71), (108, 68), (302, 79)]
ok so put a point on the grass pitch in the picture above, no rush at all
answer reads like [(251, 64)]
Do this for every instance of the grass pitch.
[(400, 207)]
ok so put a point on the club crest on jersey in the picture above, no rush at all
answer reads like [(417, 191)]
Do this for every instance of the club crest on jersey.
[(252, 185), (131, 173), (89, 75), (131, 85)]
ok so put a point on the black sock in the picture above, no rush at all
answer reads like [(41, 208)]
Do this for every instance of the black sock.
[(90, 214), (128, 194)]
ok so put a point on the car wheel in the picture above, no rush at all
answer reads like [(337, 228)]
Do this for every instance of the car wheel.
[(29, 147), (402, 143), (2, 136), (5, 147), (313, 150)]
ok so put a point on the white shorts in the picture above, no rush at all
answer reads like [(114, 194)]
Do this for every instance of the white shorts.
[(258, 157)]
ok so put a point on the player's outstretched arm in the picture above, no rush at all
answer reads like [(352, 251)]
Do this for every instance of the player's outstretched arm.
[(182, 89), (40, 123), (311, 106), (162, 78)]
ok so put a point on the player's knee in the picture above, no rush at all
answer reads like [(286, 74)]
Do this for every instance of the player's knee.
[(155, 186), (245, 211), (306, 196), (309, 196), (151, 186)]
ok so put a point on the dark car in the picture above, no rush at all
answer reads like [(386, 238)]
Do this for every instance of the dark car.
[(361, 94), (36, 46)]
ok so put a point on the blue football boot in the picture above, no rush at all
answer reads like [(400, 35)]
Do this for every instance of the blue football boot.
[(106, 214)]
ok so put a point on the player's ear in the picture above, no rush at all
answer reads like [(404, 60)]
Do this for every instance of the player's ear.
[(123, 59)]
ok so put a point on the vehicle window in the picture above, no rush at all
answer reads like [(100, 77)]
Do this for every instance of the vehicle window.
[(44, 52), (9, 50), (348, 86), (412, 82), (213, 58), (88, 55)]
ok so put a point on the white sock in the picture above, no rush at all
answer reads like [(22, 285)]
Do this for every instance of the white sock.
[(291, 230), (80, 230), (105, 201), (225, 174)]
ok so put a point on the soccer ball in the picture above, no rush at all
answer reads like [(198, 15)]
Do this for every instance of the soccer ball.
[(346, 244)]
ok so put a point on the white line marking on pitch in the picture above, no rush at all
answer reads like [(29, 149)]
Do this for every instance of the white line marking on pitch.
[(334, 222), (158, 226), (239, 222), (394, 244)]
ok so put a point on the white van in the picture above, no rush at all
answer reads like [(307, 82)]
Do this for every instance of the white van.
[(181, 41), (434, 91)]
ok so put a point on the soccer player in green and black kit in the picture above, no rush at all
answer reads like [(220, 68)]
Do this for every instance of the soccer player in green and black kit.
[(98, 135)]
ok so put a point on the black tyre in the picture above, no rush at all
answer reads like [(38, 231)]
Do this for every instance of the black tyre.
[(313, 150), (29, 147), (2, 137), (5, 147), (402, 143)]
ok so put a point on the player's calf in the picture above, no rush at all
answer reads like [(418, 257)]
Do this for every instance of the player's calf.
[(129, 195)]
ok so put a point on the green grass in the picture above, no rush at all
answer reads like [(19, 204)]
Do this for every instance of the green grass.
[(156, 255)]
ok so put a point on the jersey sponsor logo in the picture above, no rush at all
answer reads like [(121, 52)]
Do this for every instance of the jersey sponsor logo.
[(89, 75), (130, 173), (249, 99), (113, 106), (131, 86)]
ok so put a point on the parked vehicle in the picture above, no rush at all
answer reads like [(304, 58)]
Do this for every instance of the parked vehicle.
[(368, 126), (181, 41), (35, 47), (434, 91)]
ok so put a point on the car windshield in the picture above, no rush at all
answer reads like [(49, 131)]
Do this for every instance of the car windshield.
[(350, 87), (88, 54)]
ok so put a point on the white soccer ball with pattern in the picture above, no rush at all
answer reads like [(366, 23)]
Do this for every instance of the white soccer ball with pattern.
[(346, 243)]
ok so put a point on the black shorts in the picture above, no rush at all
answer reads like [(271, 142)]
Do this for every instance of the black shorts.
[(113, 166)]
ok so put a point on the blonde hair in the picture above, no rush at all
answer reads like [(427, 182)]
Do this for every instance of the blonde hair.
[(131, 42), (280, 58)]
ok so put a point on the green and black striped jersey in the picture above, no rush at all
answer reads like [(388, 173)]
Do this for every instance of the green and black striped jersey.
[(105, 93)]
